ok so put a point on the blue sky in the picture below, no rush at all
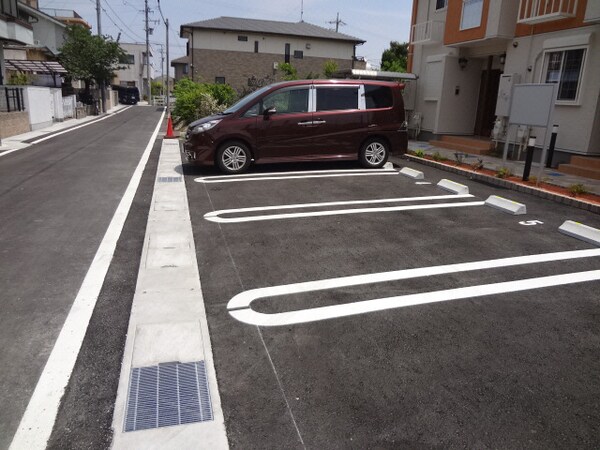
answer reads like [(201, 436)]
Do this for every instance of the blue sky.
[(376, 21)]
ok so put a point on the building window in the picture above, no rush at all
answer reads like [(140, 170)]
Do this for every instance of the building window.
[(287, 53), (127, 59), (255, 46), (441, 4), (471, 14), (565, 69), (219, 80), (186, 69), (243, 38), (298, 54)]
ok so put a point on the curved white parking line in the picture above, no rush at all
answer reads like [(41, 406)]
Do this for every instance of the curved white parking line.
[(347, 202), (295, 175), (240, 305), (336, 212), (380, 304)]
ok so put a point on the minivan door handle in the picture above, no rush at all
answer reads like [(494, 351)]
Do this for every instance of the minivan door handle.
[(305, 124), (319, 122)]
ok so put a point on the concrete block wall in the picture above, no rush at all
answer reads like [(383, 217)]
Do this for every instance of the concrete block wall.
[(13, 123), (238, 67)]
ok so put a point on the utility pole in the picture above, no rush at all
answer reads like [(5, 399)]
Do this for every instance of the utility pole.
[(302, 11), (168, 78), (148, 92), (98, 17), (166, 21), (162, 69), (337, 22), (103, 82)]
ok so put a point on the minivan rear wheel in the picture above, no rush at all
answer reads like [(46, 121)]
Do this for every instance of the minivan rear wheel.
[(233, 157), (374, 153)]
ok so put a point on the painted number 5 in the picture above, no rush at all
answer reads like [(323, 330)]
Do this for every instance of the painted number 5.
[(529, 223)]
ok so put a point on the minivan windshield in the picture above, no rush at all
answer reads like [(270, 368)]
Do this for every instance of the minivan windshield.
[(247, 100)]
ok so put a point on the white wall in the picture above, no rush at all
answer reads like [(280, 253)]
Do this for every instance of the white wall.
[(457, 111), (49, 34), (576, 121), (39, 105), (272, 44)]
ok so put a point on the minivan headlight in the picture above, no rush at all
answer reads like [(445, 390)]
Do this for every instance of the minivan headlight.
[(204, 126)]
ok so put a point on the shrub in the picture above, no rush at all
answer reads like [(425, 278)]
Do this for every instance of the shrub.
[(503, 172), (329, 68), (478, 165), (577, 189), (197, 100), (289, 71), (437, 156), (419, 153)]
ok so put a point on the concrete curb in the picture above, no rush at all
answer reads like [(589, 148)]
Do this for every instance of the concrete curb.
[(503, 183)]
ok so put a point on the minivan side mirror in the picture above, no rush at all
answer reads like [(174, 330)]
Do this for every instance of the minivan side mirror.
[(269, 112)]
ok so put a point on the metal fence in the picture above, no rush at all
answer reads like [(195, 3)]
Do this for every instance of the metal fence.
[(11, 99)]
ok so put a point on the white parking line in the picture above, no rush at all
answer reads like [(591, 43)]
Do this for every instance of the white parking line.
[(295, 175), (240, 306), (215, 216)]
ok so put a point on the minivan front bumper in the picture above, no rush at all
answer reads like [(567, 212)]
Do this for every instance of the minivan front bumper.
[(198, 148)]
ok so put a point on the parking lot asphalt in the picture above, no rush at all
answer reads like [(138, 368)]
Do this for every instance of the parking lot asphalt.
[(497, 364)]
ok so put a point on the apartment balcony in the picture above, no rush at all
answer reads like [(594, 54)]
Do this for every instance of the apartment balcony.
[(532, 12), (427, 33)]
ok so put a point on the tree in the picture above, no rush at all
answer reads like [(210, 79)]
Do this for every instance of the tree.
[(90, 58), (394, 59), (156, 87)]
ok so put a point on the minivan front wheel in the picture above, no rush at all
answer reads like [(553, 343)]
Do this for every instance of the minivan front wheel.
[(233, 157), (374, 153)]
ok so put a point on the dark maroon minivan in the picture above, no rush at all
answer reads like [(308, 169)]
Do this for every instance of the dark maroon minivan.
[(304, 120)]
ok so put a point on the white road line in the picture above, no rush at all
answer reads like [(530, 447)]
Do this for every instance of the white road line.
[(8, 152), (249, 316), (240, 305), (297, 175), (214, 216), (37, 422), (80, 126)]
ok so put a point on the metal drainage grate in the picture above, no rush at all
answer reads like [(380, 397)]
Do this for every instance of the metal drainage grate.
[(168, 394), (169, 179)]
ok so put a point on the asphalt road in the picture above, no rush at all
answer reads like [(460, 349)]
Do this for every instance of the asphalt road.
[(504, 370), (57, 199)]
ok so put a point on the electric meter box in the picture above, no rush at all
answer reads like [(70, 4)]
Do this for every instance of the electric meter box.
[(505, 92)]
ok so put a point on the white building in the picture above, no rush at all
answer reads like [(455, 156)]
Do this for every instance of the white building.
[(135, 73)]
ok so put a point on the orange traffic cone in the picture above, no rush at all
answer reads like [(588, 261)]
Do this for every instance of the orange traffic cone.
[(170, 134)]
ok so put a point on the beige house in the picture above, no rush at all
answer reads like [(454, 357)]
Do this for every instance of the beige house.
[(469, 53), (134, 73), (245, 53)]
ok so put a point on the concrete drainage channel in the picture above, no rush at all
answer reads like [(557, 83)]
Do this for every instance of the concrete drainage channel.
[(398, 161)]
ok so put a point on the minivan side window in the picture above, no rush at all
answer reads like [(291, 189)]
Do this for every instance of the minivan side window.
[(336, 98), (378, 96), (287, 101)]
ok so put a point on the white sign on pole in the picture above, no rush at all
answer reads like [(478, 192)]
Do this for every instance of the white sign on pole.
[(532, 104)]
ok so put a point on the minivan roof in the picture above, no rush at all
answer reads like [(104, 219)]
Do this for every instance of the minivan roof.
[(335, 81)]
